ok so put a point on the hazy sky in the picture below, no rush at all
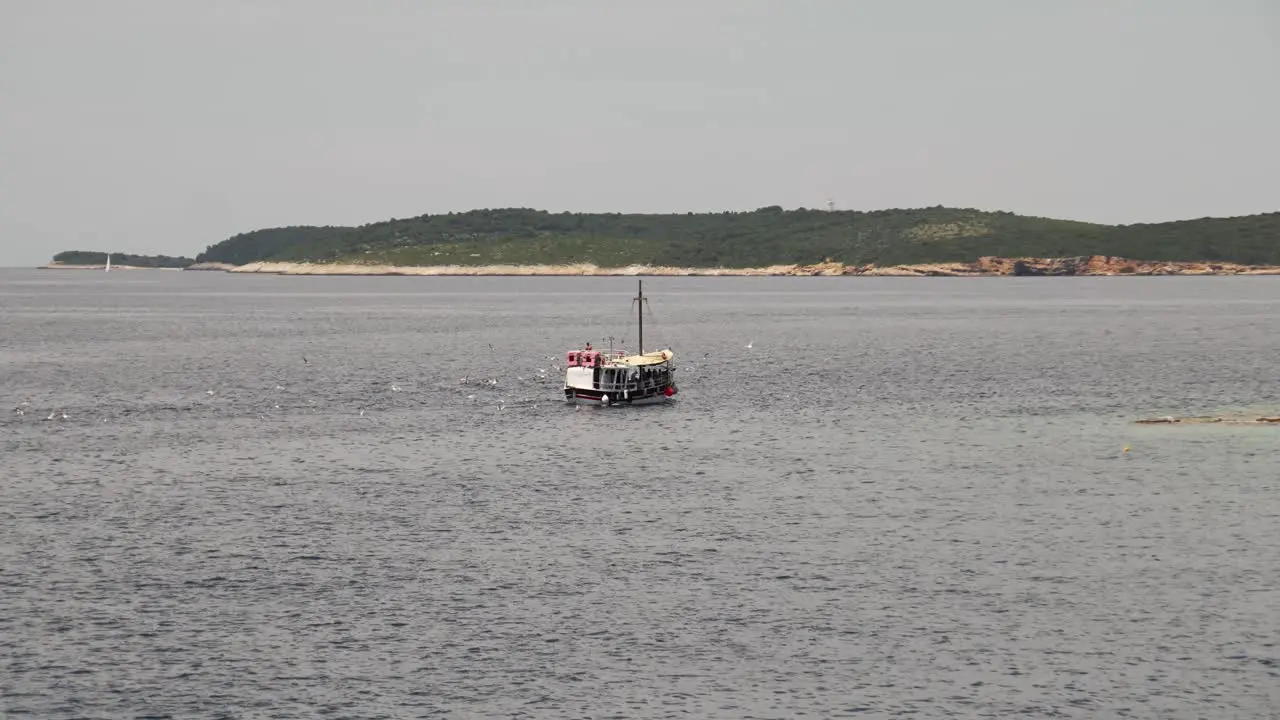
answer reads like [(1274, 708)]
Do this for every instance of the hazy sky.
[(168, 125)]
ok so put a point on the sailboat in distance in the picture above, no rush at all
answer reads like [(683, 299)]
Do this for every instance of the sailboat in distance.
[(108, 267), (612, 377)]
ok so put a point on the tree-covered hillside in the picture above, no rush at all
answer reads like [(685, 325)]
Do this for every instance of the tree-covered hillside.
[(747, 239), (272, 242), (90, 257)]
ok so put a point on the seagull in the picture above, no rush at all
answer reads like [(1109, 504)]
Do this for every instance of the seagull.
[(753, 342), (361, 413), (395, 388), (304, 359)]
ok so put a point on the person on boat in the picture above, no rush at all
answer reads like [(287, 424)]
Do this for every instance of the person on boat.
[(588, 349)]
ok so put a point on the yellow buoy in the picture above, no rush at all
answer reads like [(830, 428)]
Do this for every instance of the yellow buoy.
[(1126, 448)]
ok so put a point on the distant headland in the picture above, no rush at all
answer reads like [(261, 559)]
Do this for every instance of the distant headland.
[(933, 241), (91, 260)]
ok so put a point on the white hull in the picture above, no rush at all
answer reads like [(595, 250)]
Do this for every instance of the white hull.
[(655, 400)]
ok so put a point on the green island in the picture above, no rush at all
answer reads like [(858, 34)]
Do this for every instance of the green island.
[(93, 259), (928, 241)]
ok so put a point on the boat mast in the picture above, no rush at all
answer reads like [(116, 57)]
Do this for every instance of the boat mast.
[(640, 311)]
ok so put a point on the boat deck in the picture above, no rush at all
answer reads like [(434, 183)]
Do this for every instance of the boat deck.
[(619, 357)]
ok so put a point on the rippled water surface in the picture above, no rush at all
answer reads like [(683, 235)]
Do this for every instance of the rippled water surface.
[(279, 497)]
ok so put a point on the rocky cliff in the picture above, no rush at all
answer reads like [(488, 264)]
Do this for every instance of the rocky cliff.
[(1093, 265)]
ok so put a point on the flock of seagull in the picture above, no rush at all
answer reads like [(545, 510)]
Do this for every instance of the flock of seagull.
[(26, 404), (540, 375)]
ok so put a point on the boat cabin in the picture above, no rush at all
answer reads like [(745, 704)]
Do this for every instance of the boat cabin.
[(616, 373)]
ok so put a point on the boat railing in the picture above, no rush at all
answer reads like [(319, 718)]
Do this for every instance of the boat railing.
[(615, 386), (612, 355), (635, 383)]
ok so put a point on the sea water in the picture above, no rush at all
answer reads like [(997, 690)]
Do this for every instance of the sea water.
[(365, 497)]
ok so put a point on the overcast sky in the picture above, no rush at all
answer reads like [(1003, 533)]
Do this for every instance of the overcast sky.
[(163, 126)]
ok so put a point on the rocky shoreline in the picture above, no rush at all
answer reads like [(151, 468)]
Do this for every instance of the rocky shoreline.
[(1089, 265), (1211, 420), (1094, 265)]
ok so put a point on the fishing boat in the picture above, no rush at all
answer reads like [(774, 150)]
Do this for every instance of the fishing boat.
[(613, 377)]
